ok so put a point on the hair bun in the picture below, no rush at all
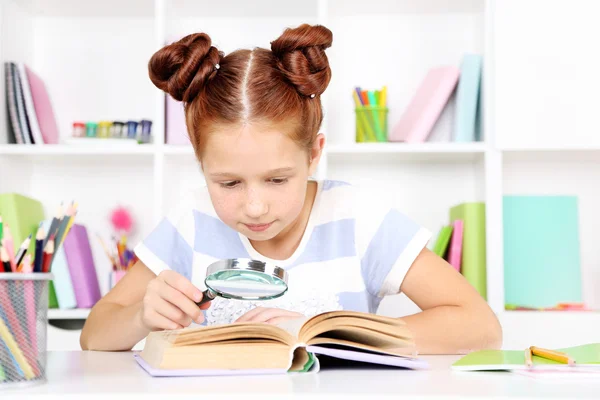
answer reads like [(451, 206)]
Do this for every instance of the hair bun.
[(184, 67), (300, 54)]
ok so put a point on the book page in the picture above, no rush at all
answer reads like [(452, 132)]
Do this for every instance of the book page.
[(293, 326)]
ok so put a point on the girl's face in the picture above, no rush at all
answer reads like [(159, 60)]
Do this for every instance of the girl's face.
[(257, 178)]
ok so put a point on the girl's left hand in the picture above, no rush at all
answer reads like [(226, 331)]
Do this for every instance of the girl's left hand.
[(268, 315)]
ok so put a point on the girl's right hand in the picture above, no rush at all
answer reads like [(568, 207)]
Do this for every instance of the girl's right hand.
[(169, 302)]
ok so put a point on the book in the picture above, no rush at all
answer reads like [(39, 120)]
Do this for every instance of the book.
[(541, 245), (443, 239), (468, 99), (473, 257), (585, 356), (81, 267), (427, 104), (454, 255), (293, 346), (39, 107)]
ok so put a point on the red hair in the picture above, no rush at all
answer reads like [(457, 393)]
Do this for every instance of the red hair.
[(280, 85)]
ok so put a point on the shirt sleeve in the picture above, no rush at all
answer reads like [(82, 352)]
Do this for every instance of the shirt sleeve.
[(170, 244), (388, 242)]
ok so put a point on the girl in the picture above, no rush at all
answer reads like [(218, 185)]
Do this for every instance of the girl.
[(253, 117)]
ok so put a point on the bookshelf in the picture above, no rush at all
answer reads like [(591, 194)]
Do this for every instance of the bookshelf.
[(96, 53)]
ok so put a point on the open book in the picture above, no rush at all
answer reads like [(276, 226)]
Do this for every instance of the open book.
[(260, 348)]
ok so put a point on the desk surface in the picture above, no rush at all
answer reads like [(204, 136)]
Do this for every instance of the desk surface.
[(99, 374)]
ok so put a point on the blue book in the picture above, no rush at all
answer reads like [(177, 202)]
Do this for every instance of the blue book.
[(467, 118), (63, 286), (541, 251)]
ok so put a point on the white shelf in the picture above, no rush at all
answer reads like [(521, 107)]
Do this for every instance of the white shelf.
[(410, 152), (241, 8), (78, 8), (384, 7), (77, 313), (66, 150)]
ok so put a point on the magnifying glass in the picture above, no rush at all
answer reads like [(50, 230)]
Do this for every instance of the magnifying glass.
[(244, 279)]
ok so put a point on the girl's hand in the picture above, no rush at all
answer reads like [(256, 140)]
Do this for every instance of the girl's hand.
[(169, 302), (269, 315)]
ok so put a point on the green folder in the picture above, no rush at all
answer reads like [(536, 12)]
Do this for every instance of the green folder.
[(496, 360), (23, 215), (541, 251), (473, 263)]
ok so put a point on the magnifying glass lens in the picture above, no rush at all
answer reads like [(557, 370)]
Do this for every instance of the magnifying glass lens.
[(245, 284)]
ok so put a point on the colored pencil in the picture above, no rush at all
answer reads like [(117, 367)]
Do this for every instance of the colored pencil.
[(5, 260), (8, 243), (48, 253), (552, 355), (22, 251), (39, 249), (55, 221)]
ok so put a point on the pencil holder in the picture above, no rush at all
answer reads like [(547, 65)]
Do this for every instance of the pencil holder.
[(371, 124), (23, 327)]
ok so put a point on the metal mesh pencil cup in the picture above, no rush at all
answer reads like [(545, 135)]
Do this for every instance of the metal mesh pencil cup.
[(23, 328)]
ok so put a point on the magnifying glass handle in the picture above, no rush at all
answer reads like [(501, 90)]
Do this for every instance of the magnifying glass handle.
[(207, 296)]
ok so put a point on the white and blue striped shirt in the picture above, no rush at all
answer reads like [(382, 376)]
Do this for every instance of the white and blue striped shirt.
[(356, 249)]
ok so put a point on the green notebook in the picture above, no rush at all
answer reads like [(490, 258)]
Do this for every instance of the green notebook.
[(587, 355), (441, 243), (473, 263)]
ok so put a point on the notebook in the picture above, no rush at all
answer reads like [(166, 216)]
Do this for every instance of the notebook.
[(427, 104), (586, 356), (455, 248), (541, 245), (292, 346), (473, 253), (468, 97), (37, 96)]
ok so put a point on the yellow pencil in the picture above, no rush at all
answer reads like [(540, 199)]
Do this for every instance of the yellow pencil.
[(552, 355), (383, 96), (14, 348)]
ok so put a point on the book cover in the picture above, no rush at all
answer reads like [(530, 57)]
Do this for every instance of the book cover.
[(473, 258), (468, 97), (47, 129), (427, 104), (81, 267), (455, 248), (441, 242), (541, 246)]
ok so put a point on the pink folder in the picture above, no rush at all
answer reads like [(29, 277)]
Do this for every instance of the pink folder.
[(43, 108), (455, 249), (427, 104)]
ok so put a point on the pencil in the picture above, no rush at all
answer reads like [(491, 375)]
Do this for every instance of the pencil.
[(26, 267), (528, 360), (22, 250), (48, 253), (16, 351), (5, 260), (55, 221), (39, 250), (552, 355), (7, 242)]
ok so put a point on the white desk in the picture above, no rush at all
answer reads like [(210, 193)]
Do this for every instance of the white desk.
[(100, 375)]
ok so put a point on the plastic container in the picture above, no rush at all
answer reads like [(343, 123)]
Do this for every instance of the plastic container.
[(371, 124), (78, 129), (23, 328)]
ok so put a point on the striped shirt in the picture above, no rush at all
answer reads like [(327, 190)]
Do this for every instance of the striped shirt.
[(355, 250)]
